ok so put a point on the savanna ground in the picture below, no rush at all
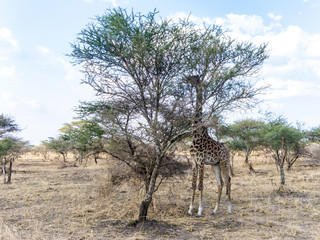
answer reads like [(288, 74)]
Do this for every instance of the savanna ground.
[(52, 200)]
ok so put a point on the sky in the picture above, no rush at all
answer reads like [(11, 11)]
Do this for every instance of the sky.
[(40, 88)]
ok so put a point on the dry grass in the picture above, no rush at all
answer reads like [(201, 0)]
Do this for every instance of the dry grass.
[(51, 200)]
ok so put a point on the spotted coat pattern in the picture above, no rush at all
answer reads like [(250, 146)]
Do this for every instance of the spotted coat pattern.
[(206, 151)]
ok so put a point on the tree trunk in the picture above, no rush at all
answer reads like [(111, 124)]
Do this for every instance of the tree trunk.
[(10, 172), (147, 184), (4, 173), (248, 163), (291, 162), (64, 156), (247, 158), (146, 202), (143, 212), (282, 175), (95, 158)]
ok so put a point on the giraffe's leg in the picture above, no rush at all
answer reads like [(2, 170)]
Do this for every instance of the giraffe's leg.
[(227, 180), (217, 169), (200, 187), (194, 185)]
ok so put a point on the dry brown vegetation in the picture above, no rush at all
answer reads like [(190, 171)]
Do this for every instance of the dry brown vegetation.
[(51, 200)]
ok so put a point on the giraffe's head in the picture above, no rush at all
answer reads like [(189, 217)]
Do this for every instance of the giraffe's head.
[(193, 80), (204, 130), (201, 131)]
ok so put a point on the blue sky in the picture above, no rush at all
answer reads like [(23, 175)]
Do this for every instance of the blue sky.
[(40, 88)]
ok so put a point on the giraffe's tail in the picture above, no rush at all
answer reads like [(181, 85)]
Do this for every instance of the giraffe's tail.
[(231, 171)]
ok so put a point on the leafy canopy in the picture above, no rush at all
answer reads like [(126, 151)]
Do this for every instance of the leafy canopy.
[(279, 133)]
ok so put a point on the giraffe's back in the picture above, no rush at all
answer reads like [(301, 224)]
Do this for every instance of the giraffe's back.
[(209, 151)]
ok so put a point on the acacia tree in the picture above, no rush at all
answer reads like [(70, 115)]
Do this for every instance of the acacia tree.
[(314, 135), (10, 147), (61, 145), (285, 142), (144, 68), (7, 125), (81, 137), (136, 153), (244, 136), (6, 145)]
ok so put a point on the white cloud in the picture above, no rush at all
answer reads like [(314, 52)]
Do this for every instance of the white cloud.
[(314, 65), (48, 57), (294, 64), (114, 2), (8, 44), (32, 103), (6, 36), (9, 101), (247, 24), (72, 72), (275, 17), (311, 43), (199, 21), (286, 43), (7, 71), (8, 48), (44, 50), (239, 24), (291, 88), (298, 50)]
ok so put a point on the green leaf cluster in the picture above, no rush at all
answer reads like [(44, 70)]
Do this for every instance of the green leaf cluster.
[(279, 133), (82, 137)]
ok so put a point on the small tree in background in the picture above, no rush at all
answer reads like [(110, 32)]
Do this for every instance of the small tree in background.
[(314, 135), (6, 146), (42, 149), (285, 142), (10, 150), (83, 137), (244, 136), (10, 147), (60, 145), (7, 125)]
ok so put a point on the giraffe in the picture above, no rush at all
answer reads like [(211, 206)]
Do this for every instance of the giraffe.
[(205, 150)]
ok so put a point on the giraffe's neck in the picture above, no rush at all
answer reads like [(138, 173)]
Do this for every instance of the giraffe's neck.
[(201, 132)]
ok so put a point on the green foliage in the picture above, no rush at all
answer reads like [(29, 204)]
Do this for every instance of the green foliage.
[(141, 66), (280, 134), (285, 142), (244, 135), (118, 50), (7, 125), (314, 135), (82, 137), (61, 144), (6, 146), (10, 147)]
